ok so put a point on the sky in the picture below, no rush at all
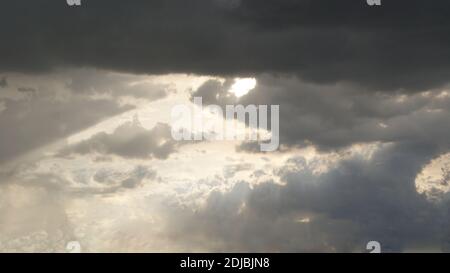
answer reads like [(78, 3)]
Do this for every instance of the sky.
[(86, 146)]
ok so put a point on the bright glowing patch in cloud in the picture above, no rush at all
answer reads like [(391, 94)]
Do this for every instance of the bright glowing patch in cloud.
[(242, 86), (434, 179)]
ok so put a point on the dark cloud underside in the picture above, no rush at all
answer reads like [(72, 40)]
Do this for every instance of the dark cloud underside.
[(402, 44), (340, 115)]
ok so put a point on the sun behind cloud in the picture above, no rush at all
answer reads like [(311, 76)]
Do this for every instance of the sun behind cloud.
[(242, 86)]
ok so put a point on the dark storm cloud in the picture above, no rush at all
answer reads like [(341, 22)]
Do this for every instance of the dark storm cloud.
[(402, 44), (356, 201), (130, 140), (336, 116)]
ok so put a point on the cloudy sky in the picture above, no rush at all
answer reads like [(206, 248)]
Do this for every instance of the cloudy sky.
[(86, 152)]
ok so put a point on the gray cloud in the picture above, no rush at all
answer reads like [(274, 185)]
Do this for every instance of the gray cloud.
[(402, 44), (49, 107), (355, 202), (102, 180), (26, 90), (90, 81), (130, 140), (358, 200), (113, 181), (328, 64), (3, 83), (339, 115), (30, 124)]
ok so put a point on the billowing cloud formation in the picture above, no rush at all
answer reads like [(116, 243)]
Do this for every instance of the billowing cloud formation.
[(346, 76), (402, 44), (240, 205), (42, 109), (355, 201), (339, 115), (129, 140), (358, 200)]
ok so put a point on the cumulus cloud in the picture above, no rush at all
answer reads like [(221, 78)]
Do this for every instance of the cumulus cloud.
[(129, 140), (358, 200), (402, 44)]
